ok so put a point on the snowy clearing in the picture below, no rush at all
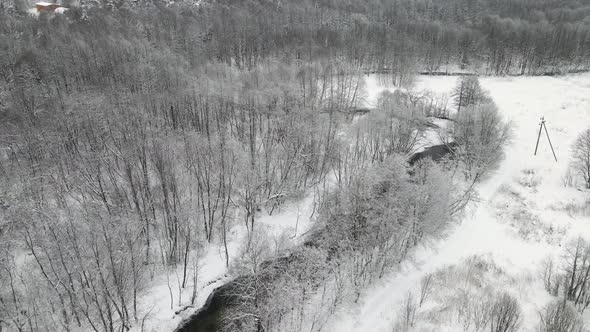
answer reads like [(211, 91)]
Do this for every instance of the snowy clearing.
[(524, 215)]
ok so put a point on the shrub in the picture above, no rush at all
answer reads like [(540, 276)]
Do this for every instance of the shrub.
[(581, 156), (505, 314), (560, 316), (480, 134)]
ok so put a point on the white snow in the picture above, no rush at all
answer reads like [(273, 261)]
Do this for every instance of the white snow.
[(33, 11), (525, 185), (60, 10), (520, 219), (375, 84), (285, 228)]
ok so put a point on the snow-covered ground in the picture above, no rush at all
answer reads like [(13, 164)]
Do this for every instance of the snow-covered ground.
[(164, 312), (524, 214), (376, 84), (522, 218), (285, 228)]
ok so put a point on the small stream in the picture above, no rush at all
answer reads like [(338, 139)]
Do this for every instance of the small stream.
[(209, 317)]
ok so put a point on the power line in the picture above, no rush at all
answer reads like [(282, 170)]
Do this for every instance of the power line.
[(541, 126)]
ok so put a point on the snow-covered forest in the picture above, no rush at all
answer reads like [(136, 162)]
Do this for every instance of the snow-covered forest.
[(329, 165)]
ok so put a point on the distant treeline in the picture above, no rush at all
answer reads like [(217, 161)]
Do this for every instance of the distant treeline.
[(489, 36)]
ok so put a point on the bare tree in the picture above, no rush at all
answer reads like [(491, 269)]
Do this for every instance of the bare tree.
[(425, 288), (551, 277), (407, 314), (581, 156), (480, 134), (560, 316), (467, 92), (505, 314), (572, 279)]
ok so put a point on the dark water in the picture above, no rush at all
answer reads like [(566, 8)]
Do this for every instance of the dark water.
[(435, 152), (208, 318)]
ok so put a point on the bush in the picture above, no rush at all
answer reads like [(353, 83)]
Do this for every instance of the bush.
[(576, 286), (480, 134), (407, 314), (500, 312), (505, 314), (560, 316), (468, 92), (581, 157), (551, 279)]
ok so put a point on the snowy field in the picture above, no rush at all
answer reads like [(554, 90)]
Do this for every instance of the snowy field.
[(524, 215)]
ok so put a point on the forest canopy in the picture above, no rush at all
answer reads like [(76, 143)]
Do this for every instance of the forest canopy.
[(133, 134), (496, 37)]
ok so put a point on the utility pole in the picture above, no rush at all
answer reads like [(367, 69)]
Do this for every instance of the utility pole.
[(541, 126)]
